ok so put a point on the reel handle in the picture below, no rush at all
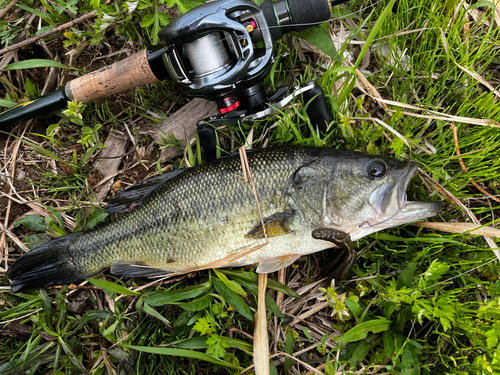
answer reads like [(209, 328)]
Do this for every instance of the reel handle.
[(319, 114)]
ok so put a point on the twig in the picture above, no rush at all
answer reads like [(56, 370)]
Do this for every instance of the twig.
[(3, 240), (6, 10), (48, 33), (14, 238), (464, 168)]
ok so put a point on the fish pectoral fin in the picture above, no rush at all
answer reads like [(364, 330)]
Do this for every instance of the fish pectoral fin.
[(340, 266), (269, 265), (136, 270), (277, 224)]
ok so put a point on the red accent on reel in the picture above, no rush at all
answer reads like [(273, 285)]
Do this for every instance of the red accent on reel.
[(227, 104)]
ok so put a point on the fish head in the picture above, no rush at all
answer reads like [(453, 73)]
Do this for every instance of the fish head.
[(366, 194)]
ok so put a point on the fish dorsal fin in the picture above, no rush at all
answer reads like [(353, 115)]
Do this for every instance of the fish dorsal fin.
[(269, 265), (135, 195), (136, 270), (277, 224)]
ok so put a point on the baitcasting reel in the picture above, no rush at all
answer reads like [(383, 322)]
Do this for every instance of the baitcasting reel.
[(221, 51)]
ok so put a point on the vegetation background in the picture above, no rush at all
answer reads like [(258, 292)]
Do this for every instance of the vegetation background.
[(409, 79)]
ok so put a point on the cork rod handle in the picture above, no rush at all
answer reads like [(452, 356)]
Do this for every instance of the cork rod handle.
[(124, 75)]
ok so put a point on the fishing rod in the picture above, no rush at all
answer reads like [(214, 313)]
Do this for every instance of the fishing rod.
[(221, 51)]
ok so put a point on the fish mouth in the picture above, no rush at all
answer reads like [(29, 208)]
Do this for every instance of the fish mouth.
[(382, 197), (406, 175), (414, 211)]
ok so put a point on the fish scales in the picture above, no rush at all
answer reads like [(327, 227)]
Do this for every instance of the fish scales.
[(199, 217), (308, 197)]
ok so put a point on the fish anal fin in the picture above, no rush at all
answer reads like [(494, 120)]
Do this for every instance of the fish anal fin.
[(269, 265), (277, 224), (136, 270)]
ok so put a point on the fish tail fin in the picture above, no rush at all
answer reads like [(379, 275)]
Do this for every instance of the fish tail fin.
[(44, 266)]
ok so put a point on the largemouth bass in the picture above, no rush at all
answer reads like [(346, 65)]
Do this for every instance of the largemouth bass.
[(310, 198)]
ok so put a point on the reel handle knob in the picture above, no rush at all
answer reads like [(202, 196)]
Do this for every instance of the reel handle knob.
[(318, 112), (294, 15)]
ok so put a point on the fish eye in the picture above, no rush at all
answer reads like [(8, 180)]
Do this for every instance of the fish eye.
[(377, 169)]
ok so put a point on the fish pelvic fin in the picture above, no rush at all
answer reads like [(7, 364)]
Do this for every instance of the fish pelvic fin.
[(269, 265), (44, 266)]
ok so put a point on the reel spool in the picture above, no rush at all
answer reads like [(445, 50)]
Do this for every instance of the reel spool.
[(207, 54), (211, 50)]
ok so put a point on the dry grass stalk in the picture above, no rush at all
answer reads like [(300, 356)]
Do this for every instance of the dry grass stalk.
[(460, 228), (261, 341), (437, 115), (469, 213)]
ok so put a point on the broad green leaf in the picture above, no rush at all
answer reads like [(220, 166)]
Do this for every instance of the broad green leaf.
[(35, 240), (253, 277), (329, 369), (36, 63), (200, 343), (183, 353), (360, 352), (163, 297), (435, 270), (7, 103), (354, 307), (198, 304), (150, 311), (288, 350), (113, 287), (405, 278), (95, 218), (270, 302), (31, 88), (389, 346), (361, 330), (307, 334), (33, 222), (233, 285), (389, 308), (233, 299), (319, 37)]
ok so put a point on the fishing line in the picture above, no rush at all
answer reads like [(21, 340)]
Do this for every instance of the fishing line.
[(221, 40), (454, 277)]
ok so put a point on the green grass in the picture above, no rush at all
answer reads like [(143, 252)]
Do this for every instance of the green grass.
[(429, 300)]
